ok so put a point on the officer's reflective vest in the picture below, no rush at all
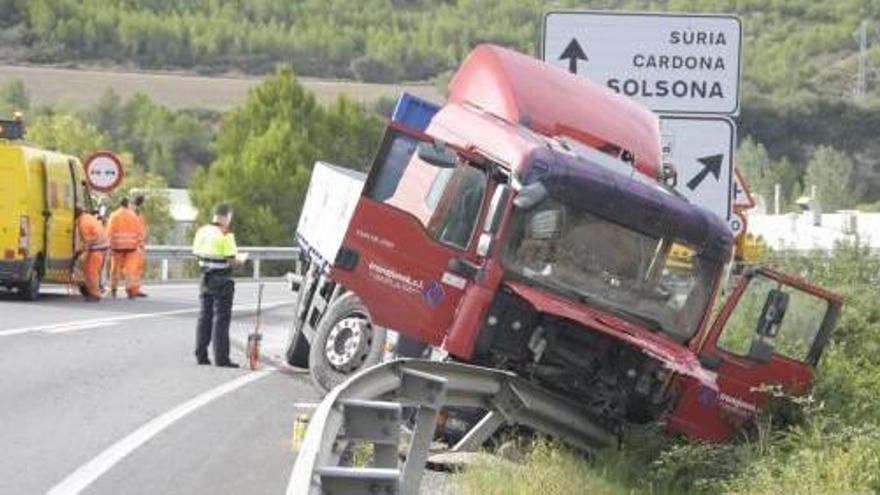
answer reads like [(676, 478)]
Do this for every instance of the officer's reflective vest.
[(214, 248)]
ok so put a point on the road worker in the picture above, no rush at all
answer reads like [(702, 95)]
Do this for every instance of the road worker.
[(95, 245), (214, 245), (126, 236), (138, 260)]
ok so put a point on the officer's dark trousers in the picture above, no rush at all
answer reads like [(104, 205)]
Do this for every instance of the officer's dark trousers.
[(216, 292)]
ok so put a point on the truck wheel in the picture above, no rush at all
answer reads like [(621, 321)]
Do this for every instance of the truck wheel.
[(345, 342), (30, 290)]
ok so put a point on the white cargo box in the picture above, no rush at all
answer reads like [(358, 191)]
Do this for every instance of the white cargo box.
[(330, 201)]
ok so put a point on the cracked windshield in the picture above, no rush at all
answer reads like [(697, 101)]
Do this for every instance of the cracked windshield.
[(657, 282)]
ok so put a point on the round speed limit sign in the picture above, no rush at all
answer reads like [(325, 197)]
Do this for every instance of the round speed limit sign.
[(737, 224), (103, 171)]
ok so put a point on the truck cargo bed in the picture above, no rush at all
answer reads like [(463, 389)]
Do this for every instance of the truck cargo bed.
[(332, 196)]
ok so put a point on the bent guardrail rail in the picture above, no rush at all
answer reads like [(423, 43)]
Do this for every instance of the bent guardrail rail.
[(255, 254), (369, 407)]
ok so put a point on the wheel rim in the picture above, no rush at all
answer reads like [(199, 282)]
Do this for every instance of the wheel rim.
[(348, 343)]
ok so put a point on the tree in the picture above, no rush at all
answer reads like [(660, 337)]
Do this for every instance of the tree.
[(65, 133), (108, 116), (763, 173), (266, 149), (14, 97), (832, 173)]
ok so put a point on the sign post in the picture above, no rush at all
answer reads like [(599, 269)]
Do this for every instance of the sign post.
[(671, 63)]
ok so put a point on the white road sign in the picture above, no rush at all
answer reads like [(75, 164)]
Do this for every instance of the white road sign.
[(670, 63), (701, 149), (103, 171)]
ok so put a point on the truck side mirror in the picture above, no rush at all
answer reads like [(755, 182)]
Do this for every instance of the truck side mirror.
[(773, 313), (530, 195), (496, 208), (493, 219), (437, 154)]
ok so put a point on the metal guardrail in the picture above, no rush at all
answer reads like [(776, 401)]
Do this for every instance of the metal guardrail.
[(255, 254), (369, 408)]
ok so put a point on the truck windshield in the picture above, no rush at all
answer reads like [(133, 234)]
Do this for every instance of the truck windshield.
[(618, 269)]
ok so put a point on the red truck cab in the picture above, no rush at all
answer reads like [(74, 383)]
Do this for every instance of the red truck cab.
[(528, 227)]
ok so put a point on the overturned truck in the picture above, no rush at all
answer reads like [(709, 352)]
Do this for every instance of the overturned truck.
[(528, 225)]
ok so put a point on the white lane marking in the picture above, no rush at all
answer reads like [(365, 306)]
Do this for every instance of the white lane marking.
[(112, 320), (71, 328), (238, 285), (94, 469)]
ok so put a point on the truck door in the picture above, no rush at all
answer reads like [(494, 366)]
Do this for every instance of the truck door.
[(59, 221), (411, 238), (769, 336)]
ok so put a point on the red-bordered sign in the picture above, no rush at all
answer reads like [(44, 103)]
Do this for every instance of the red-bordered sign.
[(103, 171), (742, 194)]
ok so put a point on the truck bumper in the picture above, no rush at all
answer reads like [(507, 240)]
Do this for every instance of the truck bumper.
[(15, 272)]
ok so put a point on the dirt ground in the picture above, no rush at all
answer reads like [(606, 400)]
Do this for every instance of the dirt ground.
[(80, 88)]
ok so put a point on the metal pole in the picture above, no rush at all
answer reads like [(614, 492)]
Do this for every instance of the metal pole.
[(777, 198), (164, 275), (256, 268)]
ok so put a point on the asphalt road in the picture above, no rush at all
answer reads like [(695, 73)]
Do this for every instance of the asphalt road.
[(106, 398)]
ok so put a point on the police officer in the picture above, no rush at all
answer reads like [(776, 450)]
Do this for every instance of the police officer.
[(214, 245)]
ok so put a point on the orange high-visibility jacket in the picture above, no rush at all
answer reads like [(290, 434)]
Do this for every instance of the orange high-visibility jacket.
[(125, 230), (92, 232)]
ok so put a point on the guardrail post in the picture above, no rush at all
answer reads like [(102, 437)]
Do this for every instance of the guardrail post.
[(428, 393), (164, 275), (256, 268)]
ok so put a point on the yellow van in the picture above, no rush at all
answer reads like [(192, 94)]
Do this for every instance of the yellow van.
[(39, 190)]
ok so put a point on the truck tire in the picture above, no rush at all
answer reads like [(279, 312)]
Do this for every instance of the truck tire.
[(345, 342), (30, 290)]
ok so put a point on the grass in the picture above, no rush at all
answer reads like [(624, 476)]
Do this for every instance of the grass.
[(548, 468), (810, 460)]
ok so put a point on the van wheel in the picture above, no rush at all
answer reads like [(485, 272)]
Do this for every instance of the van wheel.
[(346, 341), (30, 290)]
